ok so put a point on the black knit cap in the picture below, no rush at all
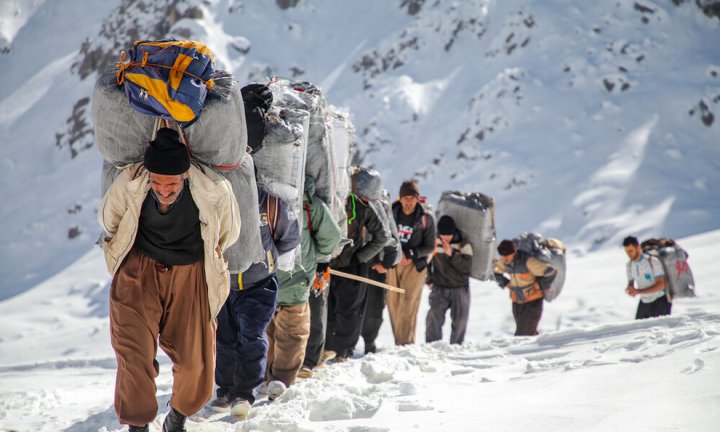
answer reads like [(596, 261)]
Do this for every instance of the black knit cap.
[(167, 154), (506, 247), (409, 188), (446, 225)]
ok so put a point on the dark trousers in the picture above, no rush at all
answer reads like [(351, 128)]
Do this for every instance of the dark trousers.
[(241, 341), (442, 299), (373, 311), (527, 316), (346, 307), (657, 308), (318, 326)]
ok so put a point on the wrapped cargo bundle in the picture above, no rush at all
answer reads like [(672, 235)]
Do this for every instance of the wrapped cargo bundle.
[(248, 249), (674, 261), (342, 147), (550, 251), (474, 216), (218, 138), (281, 161)]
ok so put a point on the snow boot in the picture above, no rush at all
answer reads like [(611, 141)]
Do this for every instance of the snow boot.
[(305, 372), (174, 422), (240, 408), (275, 389), (220, 404)]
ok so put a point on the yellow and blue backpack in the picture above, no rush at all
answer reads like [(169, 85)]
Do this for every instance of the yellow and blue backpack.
[(167, 78)]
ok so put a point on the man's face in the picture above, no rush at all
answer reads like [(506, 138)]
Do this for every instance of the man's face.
[(633, 252), (446, 238), (408, 204), (167, 188), (507, 259)]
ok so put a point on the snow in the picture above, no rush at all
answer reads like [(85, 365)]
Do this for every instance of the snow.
[(585, 122), (592, 368)]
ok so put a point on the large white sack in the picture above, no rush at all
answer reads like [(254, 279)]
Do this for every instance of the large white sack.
[(248, 249), (474, 216), (341, 136), (550, 251), (217, 138), (281, 160)]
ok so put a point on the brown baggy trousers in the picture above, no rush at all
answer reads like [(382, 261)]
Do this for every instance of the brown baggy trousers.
[(403, 308), (288, 334), (148, 300)]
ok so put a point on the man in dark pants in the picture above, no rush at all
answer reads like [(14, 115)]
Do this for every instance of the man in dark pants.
[(241, 341), (379, 266), (169, 279), (449, 282), (346, 301), (646, 279), (519, 271)]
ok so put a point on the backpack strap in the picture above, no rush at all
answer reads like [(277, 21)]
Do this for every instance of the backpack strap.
[(309, 220), (272, 213)]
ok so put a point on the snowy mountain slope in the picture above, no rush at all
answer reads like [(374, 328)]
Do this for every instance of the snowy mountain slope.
[(591, 369), (586, 122)]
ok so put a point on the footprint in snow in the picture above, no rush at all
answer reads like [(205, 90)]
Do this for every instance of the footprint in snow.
[(696, 366)]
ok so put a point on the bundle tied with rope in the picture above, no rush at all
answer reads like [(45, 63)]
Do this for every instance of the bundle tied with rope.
[(181, 90)]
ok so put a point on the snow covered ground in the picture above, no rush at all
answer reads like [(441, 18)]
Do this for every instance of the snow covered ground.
[(592, 368)]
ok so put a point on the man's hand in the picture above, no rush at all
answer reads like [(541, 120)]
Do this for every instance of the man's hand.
[(446, 248), (632, 292), (430, 286), (406, 261), (322, 280), (379, 268)]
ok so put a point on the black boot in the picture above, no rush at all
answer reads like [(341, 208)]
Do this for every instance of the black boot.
[(132, 428), (174, 422)]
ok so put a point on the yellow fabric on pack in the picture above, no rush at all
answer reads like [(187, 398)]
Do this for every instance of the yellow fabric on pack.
[(158, 90)]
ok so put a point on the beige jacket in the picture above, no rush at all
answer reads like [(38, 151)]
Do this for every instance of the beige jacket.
[(119, 216)]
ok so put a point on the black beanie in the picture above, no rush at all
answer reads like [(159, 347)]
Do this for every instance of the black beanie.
[(506, 247), (409, 188), (167, 154), (446, 226)]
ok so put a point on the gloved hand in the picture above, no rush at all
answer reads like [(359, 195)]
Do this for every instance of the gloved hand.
[(322, 280), (501, 280)]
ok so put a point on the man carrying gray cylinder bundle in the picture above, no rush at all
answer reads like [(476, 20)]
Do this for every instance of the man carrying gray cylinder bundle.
[(416, 226), (449, 282)]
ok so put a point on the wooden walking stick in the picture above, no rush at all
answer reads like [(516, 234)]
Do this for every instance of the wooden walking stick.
[(366, 280)]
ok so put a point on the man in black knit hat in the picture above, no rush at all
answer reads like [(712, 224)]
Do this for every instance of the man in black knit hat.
[(449, 282), (166, 224)]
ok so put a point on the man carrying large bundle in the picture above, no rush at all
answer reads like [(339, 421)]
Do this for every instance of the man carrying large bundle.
[(416, 226), (646, 279), (242, 346), (290, 327), (449, 282), (346, 302), (169, 277), (520, 272)]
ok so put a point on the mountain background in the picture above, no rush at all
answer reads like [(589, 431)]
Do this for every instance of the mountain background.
[(586, 122)]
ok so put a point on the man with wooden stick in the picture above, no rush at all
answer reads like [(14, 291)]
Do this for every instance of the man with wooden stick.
[(416, 226), (347, 297)]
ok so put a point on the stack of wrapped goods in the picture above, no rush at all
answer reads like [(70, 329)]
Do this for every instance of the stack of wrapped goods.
[(217, 139), (474, 216), (328, 143)]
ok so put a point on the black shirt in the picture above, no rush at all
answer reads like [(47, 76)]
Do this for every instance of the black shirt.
[(172, 238)]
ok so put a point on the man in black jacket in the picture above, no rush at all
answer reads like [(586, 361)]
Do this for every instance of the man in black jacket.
[(449, 282), (346, 301), (416, 226)]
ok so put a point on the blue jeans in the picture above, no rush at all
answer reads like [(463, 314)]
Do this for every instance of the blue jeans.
[(242, 344)]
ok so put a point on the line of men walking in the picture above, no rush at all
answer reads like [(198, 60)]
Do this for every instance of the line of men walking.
[(167, 221)]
